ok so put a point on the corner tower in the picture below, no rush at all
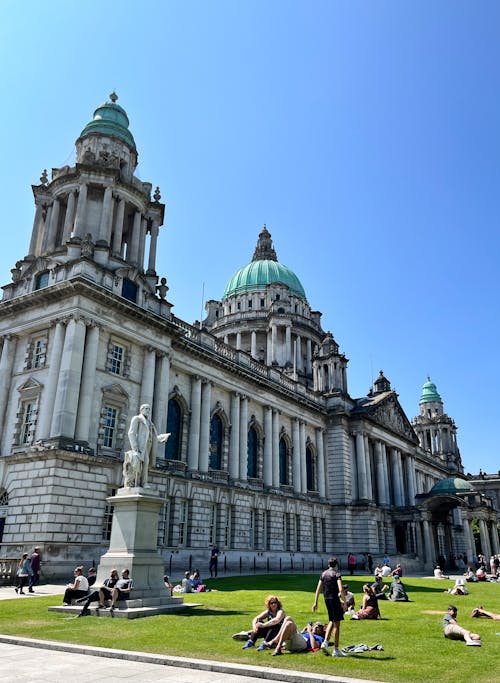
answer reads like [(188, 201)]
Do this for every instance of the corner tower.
[(96, 210), (437, 431)]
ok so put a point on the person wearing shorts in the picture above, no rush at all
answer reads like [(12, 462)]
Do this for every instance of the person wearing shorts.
[(455, 632), (330, 584)]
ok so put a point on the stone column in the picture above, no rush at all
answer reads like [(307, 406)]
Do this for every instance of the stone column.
[(118, 232), (321, 462), (410, 476), (276, 448), (485, 541), (51, 236), (420, 551), (133, 251), (148, 375), (379, 469), (387, 487), (162, 390), (238, 341), (274, 335), (402, 487), (152, 248), (395, 478), (309, 356), (234, 438), (429, 546), (253, 345), (288, 344), (106, 216), (269, 348), (6, 361), (68, 384), (87, 389), (268, 446), (206, 398), (298, 354), (35, 233), (469, 540), (70, 216), (303, 465), (361, 466), (494, 539), (79, 227), (194, 424), (369, 478), (142, 242), (244, 438), (296, 469), (49, 393)]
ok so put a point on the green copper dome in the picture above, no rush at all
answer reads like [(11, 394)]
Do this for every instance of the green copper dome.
[(429, 393), (110, 119), (451, 486), (263, 270)]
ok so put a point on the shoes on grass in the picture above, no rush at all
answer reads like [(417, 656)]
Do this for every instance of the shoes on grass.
[(337, 653), (248, 644)]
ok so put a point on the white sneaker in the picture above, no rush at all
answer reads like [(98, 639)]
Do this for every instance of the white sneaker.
[(476, 643), (324, 648), (337, 653)]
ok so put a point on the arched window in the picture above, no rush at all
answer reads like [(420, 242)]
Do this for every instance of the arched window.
[(216, 438), (174, 427), (42, 280), (253, 442), (310, 470), (283, 460), (4, 501)]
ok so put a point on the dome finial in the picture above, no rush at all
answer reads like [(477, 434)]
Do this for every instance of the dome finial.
[(113, 97), (264, 250)]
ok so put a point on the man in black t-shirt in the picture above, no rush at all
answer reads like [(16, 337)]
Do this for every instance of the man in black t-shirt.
[(330, 584), (122, 589)]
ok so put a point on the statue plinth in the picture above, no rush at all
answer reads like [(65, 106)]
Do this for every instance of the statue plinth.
[(134, 540)]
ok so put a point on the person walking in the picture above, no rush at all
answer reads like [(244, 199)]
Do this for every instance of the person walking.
[(35, 562), (330, 584), (23, 573)]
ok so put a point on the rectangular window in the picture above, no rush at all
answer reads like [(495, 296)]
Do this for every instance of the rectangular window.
[(116, 360), (182, 522), (110, 416), (27, 423), (39, 353), (107, 519), (249, 303), (212, 521)]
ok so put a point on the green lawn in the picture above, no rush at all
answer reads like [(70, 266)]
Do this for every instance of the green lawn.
[(414, 647)]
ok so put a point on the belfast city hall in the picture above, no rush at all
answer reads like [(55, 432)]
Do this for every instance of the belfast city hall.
[(269, 456)]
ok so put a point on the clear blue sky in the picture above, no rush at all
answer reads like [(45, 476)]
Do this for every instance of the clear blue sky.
[(365, 134)]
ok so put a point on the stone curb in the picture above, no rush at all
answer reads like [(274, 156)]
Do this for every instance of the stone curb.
[(265, 673)]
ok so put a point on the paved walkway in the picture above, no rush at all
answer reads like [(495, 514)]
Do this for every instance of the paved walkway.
[(33, 661)]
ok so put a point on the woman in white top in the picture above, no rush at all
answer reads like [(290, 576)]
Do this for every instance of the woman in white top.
[(78, 589)]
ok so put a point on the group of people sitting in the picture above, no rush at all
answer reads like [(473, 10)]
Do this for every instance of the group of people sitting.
[(191, 583), (113, 589), (279, 631)]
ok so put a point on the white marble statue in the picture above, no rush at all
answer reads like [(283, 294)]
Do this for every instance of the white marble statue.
[(143, 439)]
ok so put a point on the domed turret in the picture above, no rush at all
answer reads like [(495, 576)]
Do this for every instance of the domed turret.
[(430, 393), (110, 119)]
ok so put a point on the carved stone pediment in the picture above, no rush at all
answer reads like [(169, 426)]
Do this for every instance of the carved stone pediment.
[(389, 414)]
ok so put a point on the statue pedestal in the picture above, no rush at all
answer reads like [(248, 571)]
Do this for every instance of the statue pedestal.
[(133, 547), (134, 540)]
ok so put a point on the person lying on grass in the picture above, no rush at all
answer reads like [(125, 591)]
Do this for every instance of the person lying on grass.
[(480, 612), (310, 638), (455, 632), (268, 623)]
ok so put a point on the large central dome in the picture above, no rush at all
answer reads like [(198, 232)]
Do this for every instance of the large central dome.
[(263, 270)]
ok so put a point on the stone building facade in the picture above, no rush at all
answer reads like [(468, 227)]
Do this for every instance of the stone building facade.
[(269, 455)]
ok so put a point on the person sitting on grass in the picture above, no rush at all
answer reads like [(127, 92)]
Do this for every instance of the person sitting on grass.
[(480, 612), (397, 592), (398, 571), (379, 588), (186, 584), (310, 638), (470, 575), (459, 588), (438, 573), (122, 589), (347, 599), (455, 632), (267, 624), (369, 607)]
